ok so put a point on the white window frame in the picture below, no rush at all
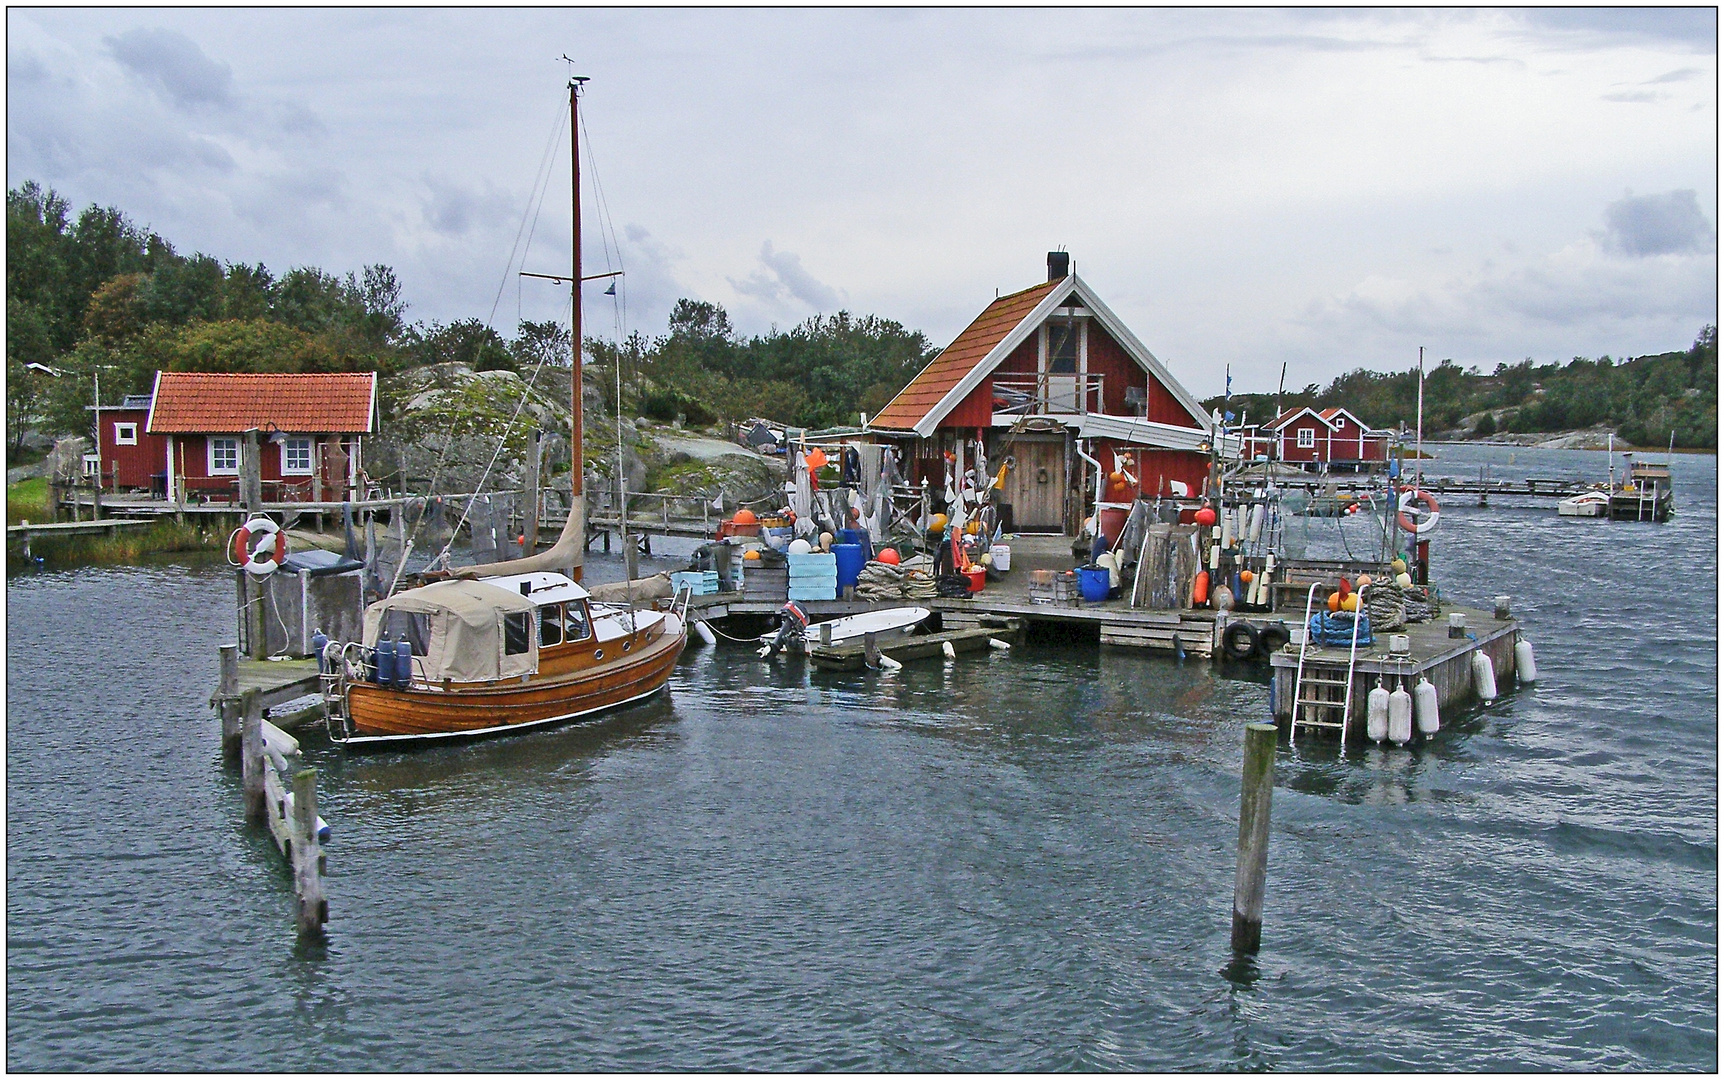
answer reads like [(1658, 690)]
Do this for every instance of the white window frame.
[(310, 447), (121, 438), (211, 444), (1306, 438), (92, 462)]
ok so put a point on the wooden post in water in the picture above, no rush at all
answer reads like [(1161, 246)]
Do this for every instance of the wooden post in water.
[(227, 699), (251, 756), (871, 649), (308, 856), (251, 471), (1257, 783)]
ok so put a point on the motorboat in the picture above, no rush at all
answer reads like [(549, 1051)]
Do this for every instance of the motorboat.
[(794, 630), (1591, 504)]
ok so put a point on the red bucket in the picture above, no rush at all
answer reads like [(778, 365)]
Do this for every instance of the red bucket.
[(978, 576)]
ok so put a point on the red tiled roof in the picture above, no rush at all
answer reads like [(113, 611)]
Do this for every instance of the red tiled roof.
[(190, 402), (966, 351)]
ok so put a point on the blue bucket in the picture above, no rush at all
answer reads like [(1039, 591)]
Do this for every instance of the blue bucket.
[(851, 559), (1093, 584)]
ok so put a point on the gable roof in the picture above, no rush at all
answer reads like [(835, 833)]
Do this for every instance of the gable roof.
[(193, 402), (985, 343), (1293, 414)]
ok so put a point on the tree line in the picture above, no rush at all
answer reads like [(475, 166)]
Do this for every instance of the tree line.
[(1644, 399)]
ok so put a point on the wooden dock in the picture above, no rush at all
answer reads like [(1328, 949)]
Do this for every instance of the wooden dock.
[(921, 647), (282, 795), (276, 682)]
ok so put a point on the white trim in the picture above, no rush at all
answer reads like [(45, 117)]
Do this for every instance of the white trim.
[(210, 450), (311, 455), (118, 440), (973, 378), (371, 412), (1138, 351), (155, 396), (1303, 409), (1150, 434)]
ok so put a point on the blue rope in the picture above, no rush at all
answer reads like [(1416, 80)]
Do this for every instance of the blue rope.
[(1337, 629)]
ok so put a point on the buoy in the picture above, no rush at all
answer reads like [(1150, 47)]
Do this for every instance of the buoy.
[(1484, 676), (1227, 529), (1334, 602), (1400, 716), (889, 556), (1246, 576), (1254, 526), (938, 523), (745, 516), (1205, 516), (1364, 580), (1200, 589), (825, 541), (1524, 668), (889, 664), (1223, 599), (1425, 706), (949, 649), (1398, 565), (996, 643), (800, 546), (1404, 580), (1377, 713), (705, 632), (752, 554)]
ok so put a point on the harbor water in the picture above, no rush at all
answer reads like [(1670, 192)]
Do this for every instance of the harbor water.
[(1016, 862)]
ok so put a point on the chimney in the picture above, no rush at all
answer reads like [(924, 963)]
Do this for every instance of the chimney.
[(1059, 265)]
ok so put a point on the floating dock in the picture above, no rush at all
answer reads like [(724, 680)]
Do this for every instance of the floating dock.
[(922, 647)]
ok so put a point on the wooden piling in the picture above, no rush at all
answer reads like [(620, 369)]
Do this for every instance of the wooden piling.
[(252, 755), (530, 513), (227, 700), (1257, 784), (308, 856), (871, 649)]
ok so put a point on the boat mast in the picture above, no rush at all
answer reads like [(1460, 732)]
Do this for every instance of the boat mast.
[(577, 462)]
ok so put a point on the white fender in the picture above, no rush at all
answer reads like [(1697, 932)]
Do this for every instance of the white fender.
[(1425, 706), (1400, 716), (1525, 669), (1484, 676), (1254, 527), (889, 664), (996, 643), (949, 649), (1227, 517), (1377, 714), (705, 632)]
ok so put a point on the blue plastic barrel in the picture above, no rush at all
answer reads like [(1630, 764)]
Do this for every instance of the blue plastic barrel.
[(851, 559), (857, 536), (1093, 584)]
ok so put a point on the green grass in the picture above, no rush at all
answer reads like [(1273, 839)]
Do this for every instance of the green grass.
[(27, 501), (131, 546)]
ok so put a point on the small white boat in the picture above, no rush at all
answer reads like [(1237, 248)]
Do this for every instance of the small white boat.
[(1591, 504), (850, 630)]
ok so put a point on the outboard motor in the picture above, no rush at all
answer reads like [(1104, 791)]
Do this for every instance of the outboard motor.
[(792, 627)]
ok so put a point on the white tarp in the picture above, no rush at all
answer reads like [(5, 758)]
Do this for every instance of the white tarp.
[(461, 628)]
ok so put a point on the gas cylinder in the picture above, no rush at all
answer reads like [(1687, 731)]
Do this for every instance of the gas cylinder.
[(403, 663), (1425, 706), (1524, 668), (1377, 714), (319, 641), (1400, 716), (1484, 676), (384, 655)]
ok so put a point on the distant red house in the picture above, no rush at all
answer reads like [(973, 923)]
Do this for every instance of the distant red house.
[(1333, 436), (309, 430), (1050, 377), (130, 456)]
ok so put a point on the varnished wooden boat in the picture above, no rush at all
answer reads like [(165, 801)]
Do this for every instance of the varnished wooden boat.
[(549, 655)]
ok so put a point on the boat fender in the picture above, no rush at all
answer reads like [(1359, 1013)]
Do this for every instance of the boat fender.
[(1377, 714), (1425, 706), (705, 632), (996, 643), (1272, 637), (384, 658), (950, 650), (1200, 589), (1400, 716), (889, 664), (1240, 641), (1254, 528), (1525, 669), (1484, 676), (1425, 527), (403, 663)]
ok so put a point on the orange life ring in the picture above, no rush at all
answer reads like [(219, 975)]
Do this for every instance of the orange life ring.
[(1408, 495)]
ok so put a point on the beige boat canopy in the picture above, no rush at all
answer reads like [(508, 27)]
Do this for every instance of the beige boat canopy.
[(467, 631)]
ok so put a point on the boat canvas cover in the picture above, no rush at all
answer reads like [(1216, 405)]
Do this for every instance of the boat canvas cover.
[(466, 639)]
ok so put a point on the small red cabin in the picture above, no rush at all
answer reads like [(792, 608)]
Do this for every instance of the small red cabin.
[(309, 429), (131, 457), (1333, 436)]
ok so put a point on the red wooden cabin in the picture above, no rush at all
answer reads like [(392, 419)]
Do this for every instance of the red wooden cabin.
[(1333, 436), (131, 457)]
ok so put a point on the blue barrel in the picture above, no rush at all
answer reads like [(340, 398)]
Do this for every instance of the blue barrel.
[(1093, 584), (385, 657), (851, 559), (857, 536), (403, 663)]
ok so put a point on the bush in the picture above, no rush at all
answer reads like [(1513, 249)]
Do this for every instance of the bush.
[(1487, 425)]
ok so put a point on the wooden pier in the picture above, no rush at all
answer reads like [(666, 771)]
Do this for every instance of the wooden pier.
[(282, 795), (276, 682), (921, 647)]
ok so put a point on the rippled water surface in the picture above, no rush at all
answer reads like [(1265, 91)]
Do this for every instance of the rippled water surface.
[(1019, 862)]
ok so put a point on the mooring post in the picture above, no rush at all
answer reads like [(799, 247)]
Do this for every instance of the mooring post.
[(1257, 783), (870, 649), (308, 855), (251, 755), (227, 700)]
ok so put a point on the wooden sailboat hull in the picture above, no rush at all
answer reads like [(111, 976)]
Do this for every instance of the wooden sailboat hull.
[(385, 716)]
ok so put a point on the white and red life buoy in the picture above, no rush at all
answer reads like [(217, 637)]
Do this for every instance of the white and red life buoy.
[(259, 545), (1406, 520)]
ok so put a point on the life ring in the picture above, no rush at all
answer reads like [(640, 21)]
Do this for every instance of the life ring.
[(1239, 640), (264, 544), (1408, 495)]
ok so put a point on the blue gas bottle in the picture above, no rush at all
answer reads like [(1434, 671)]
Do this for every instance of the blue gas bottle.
[(319, 641), (403, 663), (385, 655)]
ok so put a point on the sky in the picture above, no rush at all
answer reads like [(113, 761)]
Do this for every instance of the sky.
[(1327, 190)]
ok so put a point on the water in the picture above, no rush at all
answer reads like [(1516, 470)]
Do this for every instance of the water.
[(1023, 863)]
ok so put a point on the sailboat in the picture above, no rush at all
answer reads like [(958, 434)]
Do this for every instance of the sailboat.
[(507, 646)]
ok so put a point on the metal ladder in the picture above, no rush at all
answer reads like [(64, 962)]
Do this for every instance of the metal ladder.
[(1331, 694)]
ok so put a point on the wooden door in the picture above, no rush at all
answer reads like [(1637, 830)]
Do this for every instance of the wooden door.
[(1036, 485)]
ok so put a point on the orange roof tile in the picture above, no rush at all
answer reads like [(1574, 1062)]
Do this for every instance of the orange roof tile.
[(189, 402), (957, 360)]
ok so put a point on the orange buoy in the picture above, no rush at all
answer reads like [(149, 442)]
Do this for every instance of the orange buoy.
[(1205, 516), (1200, 587), (745, 516), (1247, 576), (1334, 602), (751, 555), (889, 556)]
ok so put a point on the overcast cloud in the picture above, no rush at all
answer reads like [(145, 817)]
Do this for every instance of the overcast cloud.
[(1330, 189)]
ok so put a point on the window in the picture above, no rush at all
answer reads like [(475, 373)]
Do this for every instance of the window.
[(413, 627), (224, 456), (91, 463), (575, 622), (126, 434), (296, 457), (517, 626), (550, 625), (1307, 438), (1062, 346)]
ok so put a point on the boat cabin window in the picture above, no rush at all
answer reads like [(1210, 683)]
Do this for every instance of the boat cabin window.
[(517, 626), (575, 621), (414, 627), (550, 625)]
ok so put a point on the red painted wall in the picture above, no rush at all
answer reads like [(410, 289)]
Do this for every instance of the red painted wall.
[(134, 464), (193, 451), (1153, 467), (1109, 359)]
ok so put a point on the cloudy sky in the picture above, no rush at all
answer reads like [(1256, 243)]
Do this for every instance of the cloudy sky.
[(1326, 189)]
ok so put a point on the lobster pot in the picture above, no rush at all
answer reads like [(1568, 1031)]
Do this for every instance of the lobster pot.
[(312, 590)]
